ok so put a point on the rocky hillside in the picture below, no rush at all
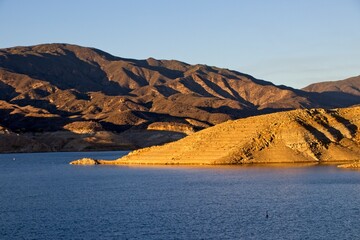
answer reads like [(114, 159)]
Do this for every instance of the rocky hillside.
[(350, 86), (80, 91), (314, 135), (346, 92)]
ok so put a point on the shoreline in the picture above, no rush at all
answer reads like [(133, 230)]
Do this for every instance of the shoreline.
[(89, 161)]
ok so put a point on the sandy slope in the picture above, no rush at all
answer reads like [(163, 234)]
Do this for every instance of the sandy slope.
[(315, 135)]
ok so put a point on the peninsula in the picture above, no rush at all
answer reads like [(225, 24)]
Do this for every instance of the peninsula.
[(314, 135)]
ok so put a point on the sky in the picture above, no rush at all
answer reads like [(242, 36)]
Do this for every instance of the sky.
[(292, 43)]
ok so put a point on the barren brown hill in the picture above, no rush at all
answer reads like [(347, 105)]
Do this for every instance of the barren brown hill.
[(343, 91), (314, 135), (59, 87), (349, 85)]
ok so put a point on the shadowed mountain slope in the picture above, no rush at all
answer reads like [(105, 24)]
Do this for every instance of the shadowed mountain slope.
[(345, 92), (61, 84), (349, 85)]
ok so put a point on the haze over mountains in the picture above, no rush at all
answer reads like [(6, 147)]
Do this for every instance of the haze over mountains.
[(67, 97)]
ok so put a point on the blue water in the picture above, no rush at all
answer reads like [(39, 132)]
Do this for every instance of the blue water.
[(43, 197)]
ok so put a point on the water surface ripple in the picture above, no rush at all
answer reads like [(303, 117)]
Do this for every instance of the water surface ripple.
[(43, 197)]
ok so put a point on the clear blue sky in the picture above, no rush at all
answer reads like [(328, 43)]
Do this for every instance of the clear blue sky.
[(287, 42)]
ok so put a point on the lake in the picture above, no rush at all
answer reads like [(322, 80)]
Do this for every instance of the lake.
[(43, 197)]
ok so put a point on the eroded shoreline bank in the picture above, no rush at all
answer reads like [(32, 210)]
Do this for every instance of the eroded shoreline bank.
[(339, 164)]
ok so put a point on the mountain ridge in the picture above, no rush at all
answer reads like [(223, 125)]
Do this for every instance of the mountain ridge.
[(78, 85)]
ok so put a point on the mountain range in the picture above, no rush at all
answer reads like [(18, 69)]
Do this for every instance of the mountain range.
[(62, 97)]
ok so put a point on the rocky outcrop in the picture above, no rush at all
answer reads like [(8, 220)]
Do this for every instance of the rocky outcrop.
[(350, 165), (84, 127), (85, 161), (315, 135), (4, 130), (174, 127)]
